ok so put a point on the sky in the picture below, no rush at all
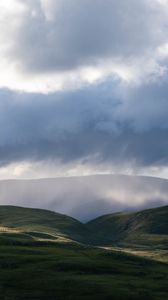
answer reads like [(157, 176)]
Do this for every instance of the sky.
[(83, 88)]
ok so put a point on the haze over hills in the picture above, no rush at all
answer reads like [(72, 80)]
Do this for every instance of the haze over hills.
[(86, 197)]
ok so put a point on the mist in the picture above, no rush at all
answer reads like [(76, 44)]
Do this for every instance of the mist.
[(86, 197)]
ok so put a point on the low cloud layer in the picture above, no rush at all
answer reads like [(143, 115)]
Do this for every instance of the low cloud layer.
[(86, 197)]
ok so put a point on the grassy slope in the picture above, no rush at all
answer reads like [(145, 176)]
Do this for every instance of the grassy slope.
[(30, 220), (148, 227)]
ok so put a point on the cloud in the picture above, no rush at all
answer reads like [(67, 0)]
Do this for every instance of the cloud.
[(92, 126), (105, 63), (40, 127), (145, 106), (86, 197), (66, 35), (56, 44)]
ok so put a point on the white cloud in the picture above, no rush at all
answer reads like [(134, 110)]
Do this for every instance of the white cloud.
[(51, 45), (55, 168)]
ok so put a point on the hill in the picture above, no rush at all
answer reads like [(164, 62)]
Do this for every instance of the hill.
[(40, 223), (147, 227)]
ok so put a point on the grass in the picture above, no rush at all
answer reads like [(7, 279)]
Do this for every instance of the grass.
[(154, 254), (34, 270), (21, 219), (148, 228)]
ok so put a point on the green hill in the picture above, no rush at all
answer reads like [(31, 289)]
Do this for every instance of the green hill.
[(40, 223), (148, 227)]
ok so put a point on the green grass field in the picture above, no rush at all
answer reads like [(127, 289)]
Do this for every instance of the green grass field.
[(45, 270), (48, 256)]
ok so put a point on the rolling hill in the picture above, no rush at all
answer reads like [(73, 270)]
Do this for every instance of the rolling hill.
[(145, 228), (148, 227), (40, 223)]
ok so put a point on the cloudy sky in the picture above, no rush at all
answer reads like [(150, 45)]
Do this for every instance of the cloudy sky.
[(83, 87)]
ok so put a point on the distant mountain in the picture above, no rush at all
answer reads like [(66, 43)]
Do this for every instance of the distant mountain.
[(86, 197)]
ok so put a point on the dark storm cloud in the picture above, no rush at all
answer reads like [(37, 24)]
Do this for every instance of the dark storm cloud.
[(95, 124), (146, 105)]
